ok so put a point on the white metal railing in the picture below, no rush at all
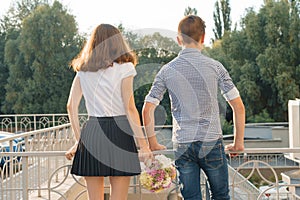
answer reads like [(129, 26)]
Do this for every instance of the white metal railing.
[(276, 160), (242, 188), (36, 169), (28, 122), (245, 189), (55, 171), (53, 177)]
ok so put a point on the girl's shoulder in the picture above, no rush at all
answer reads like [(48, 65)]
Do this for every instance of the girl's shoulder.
[(126, 69), (88, 74), (81, 73), (122, 65)]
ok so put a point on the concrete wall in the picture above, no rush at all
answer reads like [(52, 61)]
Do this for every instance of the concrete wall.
[(294, 126), (274, 137), (279, 139)]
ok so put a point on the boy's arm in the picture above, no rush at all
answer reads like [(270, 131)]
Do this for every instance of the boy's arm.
[(239, 125), (149, 123), (153, 98)]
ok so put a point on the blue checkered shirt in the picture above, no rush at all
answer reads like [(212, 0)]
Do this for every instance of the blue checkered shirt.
[(193, 82)]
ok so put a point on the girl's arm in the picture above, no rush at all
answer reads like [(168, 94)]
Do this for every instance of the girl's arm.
[(133, 117), (72, 108)]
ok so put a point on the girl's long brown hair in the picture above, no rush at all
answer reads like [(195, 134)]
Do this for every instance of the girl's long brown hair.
[(105, 46)]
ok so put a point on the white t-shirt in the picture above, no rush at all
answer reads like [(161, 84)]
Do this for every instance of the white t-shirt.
[(102, 89)]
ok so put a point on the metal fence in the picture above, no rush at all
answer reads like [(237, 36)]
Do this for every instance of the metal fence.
[(18, 171), (36, 166), (276, 160), (29, 122)]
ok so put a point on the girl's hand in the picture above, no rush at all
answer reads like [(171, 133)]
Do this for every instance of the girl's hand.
[(71, 152), (145, 154)]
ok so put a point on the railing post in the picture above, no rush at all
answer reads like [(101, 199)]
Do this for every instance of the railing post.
[(39, 167), (34, 122), (25, 177), (16, 123), (207, 194), (11, 168)]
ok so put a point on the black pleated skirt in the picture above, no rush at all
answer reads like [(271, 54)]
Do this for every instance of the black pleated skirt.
[(106, 148)]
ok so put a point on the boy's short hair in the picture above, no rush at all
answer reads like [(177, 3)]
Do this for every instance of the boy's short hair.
[(191, 28)]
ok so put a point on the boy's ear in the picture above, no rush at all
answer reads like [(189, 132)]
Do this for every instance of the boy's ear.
[(179, 40), (202, 38)]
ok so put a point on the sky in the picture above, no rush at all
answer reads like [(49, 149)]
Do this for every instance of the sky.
[(146, 16)]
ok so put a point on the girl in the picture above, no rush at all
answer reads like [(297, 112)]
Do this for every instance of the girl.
[(105, 146)]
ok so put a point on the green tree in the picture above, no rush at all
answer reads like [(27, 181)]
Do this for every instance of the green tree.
[(222, 19), (156, 51), (131, 37), (3, 67), (13, 69), (12, 20), (153, 51), (190, 11), (47, 43), (19, 73), (263, 58), (156, 40)]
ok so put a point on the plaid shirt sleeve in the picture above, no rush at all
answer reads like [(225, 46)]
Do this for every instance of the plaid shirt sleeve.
[(157, 90), (226, 84)]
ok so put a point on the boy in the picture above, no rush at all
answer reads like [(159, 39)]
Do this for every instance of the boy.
[(192, 81)]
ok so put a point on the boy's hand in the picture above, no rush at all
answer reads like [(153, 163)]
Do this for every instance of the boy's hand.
[(234, 148), (157, 147)]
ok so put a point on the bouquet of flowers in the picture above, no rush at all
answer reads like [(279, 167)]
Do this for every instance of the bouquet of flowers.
[(157, 174)]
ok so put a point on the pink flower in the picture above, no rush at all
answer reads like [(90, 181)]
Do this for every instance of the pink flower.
[(158, 174)]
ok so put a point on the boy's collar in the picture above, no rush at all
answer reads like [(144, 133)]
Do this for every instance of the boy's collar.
[(189, 50)]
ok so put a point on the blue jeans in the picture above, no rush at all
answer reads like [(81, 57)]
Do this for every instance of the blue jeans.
[(208, 156)]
